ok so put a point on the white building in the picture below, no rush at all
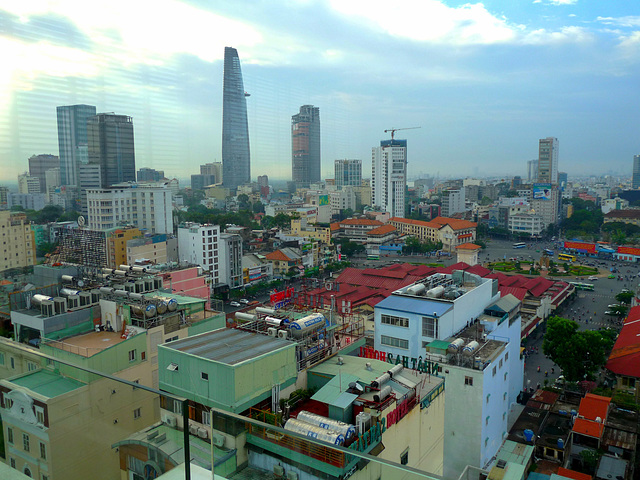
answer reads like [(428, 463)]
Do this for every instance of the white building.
[(526, 223), (146, 206), (483, 369), (548, 160), (230, 260), (28, 201), (547, 206), (342, 199), (28, 184), (614, 204), (199, 245), (389, 176), (453, 201)]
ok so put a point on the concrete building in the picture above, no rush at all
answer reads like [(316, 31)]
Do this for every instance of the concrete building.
[(547, 203), (548, 160), (236, 158), (28, 201), (146, 206), (52, 182), (635, 176), (149, 249), (348, 172), (111, 145), (450, 231), (342, 199), (199, 245), (389, 176), (117, 240), (28, 184), (263, 180), (474, 335), (18, 247), (532, 171), (230, 260), (305, 146), (256, 268), (39, 165), (4, 192), (453, 201), (285, 260), (146, 175), (528, 223), (72, 140)]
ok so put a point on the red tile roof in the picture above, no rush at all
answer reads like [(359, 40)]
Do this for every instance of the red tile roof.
[(517, 292), (455, 223), (361, 221), (469, 246), (455, 266), (565, 472), (479, 270), (594, 406), (382, 230), (537, 286), (625, 356), (334, 227), (408, 221), (278, 255)]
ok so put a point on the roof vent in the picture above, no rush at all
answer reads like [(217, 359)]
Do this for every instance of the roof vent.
[(501, 464), (368, 366), (340, 361)]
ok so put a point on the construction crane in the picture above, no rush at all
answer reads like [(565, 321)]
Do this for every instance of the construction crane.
[(394, 130)]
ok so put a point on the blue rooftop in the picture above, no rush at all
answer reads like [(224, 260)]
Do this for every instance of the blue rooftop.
[(422, 306)]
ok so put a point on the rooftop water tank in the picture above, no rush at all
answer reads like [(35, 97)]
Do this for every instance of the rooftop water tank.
[(381, 380), (528, 435), (382, 394), (470, 348), (314, 431), (343, 428), (435, 292), (455, 346), (416, 289), (38, 298)]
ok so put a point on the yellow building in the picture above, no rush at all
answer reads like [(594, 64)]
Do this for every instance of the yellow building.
[(450, 231), (153, 249), (117, 245), (18, 247), (301, 228)]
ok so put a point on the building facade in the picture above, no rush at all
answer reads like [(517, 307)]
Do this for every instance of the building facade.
[(548, 160), (18, 247), (389, 176), (148, 207), (39, 165), (453, 201), (28, 183), (348, 172), (199, 245), (305, 146), (231, 260), (146, 174), (72, 140), (236, 158), (532, 171), (635, 178), (111, 145)]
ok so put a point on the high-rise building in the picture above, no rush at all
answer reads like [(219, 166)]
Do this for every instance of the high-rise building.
[(146, 174), (214, 169), (198, 245), (110, 145), (635, 179), (38, 166), (453, 201), (389, 176), (28, 184), (532, 171), (263, 180), (305, 146), (348, 172), (72, 140), (548, 160), (563, 178), (236, 158), (230, 260), (20, 251)]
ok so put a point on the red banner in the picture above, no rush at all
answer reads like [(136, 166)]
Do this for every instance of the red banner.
[(629, 250), (584, 246), (283, 295)]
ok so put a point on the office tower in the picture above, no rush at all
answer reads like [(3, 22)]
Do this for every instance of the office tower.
[(348, 172), (214, 169), (563, 178), (548, 160), (72, 140), (110, 145), (38, 166), (146, 174), (453, 201), (236, 159), (635, 179), (389, 176), (532, 171), (263, 180), (305, 146), (28, 184)]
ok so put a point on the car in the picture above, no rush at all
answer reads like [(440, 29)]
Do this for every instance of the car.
[(244, 301), (614, 305), (593, 277), (609, 312), (234, 304)]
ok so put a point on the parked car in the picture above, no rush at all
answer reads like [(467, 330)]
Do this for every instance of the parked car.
[(234, 304), (611, 276), (244, 301), (593, 277), (614, 305)]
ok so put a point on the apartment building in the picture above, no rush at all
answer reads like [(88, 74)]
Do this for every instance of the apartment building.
[(199, 245), (18, 247)]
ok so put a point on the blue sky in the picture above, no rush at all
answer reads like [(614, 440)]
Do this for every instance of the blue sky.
[(484, 81)]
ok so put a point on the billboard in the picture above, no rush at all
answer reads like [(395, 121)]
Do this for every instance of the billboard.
[(323, 199), (542, 191)]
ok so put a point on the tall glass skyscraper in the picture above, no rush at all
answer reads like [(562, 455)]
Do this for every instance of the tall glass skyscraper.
[(110, 141), (305, 146), (72, 140), (236, 159)]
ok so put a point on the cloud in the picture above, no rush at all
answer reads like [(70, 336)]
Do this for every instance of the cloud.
[(562, 2), (543, 36), (628, 21), (430, 21)]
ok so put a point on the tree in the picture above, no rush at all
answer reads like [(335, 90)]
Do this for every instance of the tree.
[(580, 354), (624, 297)]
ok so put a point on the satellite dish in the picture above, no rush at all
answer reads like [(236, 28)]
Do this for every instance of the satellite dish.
[(81, 221)]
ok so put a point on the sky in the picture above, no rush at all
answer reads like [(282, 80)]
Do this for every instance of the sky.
[(483, 81)]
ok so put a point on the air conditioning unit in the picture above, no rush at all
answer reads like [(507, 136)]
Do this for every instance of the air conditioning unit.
[(193, 429), (218, 440), (170, 420), (202, 433), (283, 334), (272, 332), (292, 476), (278, 471)]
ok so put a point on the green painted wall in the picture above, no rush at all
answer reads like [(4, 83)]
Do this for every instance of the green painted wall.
[(207, 325)]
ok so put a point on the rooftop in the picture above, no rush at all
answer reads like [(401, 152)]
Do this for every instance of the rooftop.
[(88, 344), (229, 346), (47, 383)]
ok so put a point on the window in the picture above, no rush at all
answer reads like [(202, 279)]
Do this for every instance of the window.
[(44, 477), (486, 441), (143, 356), (10, 435), (8, 403), (488, 396), (430, 327), (494, 370), (132, 355), (404, 457), (1, 358), (39, 414), (468, 381), (13, 363), (394, 342), (504, 396), (204, 376), (43, 451), (206, 418), (628, 382), (486, 420), (396, 321), (506, 356), (13, 462), (177, 407), (136, 413), (25, 442), (505, 376), (500, 363)]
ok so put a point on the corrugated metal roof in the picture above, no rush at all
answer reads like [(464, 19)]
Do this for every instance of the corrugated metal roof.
[(47, 383), (229, 345), (421, 306), (333, 392)]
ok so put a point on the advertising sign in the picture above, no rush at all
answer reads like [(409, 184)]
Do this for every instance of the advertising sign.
[(283, 297), (542, 191), (323, 199)]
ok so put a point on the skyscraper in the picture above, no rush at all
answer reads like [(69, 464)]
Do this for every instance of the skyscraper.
[(38, 166), (72, 140), (389, 176), (635, 179), (548, 160), (305, 146), (348, 172), (532, 171), (110, 145), (236, 159)]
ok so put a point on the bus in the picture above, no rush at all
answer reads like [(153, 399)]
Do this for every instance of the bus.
[(566, 257), (582, 286), (519, 245), (548, 252), (373, 257)]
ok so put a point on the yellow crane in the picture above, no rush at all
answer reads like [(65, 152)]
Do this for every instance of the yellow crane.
[(394, 130)]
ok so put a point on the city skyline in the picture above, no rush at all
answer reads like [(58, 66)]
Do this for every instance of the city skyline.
[(471, 72)]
